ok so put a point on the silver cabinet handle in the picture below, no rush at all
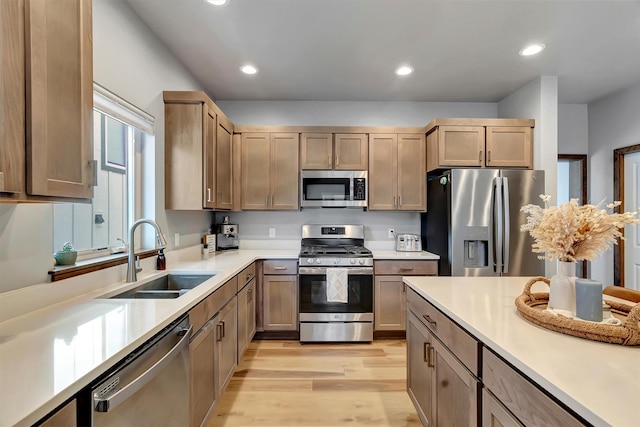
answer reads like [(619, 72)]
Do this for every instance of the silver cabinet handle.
[(219, 332), (224, 330), (480, 156), (394, 201), (399, 201), (110, 403), (430, 356), (279, 267), (489, 156), (266, 201), (430, 320), (208, 194)]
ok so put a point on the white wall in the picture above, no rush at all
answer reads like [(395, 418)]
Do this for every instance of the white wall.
[(614, 122), (333, 113), (130, 61), (573, 129)]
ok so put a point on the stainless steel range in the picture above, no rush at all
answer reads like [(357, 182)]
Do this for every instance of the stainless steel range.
[(336, 284)]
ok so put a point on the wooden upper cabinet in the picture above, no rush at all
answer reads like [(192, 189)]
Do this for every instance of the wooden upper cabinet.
[(255, 171), (396, 172), (412, 187), (185, 157), (351, 151), (209, 150), (270, 164), (59, 101), (509, 146), (316, 151), (12, 101), (284, 171), (479, 143), (224, 164), (198, 146)]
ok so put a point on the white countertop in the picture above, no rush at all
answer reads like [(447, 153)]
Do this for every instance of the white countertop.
[(599, 381), (49, 355), (392, 254)]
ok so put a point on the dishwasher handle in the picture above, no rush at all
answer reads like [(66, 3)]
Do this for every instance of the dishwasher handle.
[(111, 402)]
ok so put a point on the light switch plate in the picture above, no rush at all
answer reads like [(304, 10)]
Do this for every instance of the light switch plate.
[(272, 232), (390, 233), (176, 239)]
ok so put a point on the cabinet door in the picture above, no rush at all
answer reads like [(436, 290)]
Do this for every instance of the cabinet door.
[(460, 146), (456, 391), (390, 303), (12, 101), (64, 417), (209, 120), (251, 310), (509, 147), (316, 151), (419, 371), (351, 151), (226, 332), (184, 157), (412, 191), (280, 303), (243, 325), (284, 171), (255, 171), (383, 166), (59, 102), (224, 165), (496, 415), (203, 382)]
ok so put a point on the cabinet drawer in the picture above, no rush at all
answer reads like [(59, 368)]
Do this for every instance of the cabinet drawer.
[(407, 268), (285, 266), (202, 312), (246, 275), (463, 345), (530, 405)]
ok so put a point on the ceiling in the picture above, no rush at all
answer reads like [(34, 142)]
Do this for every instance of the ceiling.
[(347, 50)]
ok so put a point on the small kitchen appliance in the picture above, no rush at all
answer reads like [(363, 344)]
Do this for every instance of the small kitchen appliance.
[(227, 236), (408, 243), (328, 251)]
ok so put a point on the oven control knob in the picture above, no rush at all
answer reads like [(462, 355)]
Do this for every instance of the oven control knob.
[(335, 261), (353, 261), (361, 262), (309, 260), (318, 261)]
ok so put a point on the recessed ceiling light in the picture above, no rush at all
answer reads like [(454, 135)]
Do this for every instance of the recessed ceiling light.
[(532, 49), (217, 2), (404, 70), (248, 69)]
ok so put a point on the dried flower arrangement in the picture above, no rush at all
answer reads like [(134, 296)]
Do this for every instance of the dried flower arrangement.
[(570, 232)]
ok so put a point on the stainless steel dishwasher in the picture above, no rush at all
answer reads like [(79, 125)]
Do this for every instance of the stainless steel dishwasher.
[(149, 388)]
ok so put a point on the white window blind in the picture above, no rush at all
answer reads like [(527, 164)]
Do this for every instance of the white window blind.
[(116, 107)]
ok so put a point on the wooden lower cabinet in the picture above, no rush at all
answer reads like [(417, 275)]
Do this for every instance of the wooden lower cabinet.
[(246, 316), (64, 417), (389, 303), (444, 392), (494, 414), (202, 356), (227, 344), (390, 292), (280, 303)]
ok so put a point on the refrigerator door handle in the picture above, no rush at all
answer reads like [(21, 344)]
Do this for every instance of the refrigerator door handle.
[(498, 243), (507, 224)]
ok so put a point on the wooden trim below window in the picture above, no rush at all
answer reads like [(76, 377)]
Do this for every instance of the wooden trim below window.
[(90, 265)]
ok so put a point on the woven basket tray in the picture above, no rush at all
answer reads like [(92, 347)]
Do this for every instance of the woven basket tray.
[(531, 306)]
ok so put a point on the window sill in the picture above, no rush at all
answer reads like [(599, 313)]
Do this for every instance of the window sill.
[(61, 272)]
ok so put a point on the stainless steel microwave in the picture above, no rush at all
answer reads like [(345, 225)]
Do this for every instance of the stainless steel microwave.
[(333, 189)]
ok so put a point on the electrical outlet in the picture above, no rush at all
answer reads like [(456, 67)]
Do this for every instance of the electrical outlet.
[(272, 232), (176, 239), (391, 233)]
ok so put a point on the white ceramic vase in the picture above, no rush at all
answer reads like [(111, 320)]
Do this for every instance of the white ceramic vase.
[(562, 289)]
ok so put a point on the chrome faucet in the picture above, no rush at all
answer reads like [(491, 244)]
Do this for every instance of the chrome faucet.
[(132, 269)]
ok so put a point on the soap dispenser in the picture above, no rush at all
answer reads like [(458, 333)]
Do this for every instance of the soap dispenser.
[(161, 261)]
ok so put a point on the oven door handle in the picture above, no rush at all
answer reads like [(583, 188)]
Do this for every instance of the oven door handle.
[(111, 402), (362, 271)]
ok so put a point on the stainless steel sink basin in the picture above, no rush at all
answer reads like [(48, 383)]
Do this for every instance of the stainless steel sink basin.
[(169, 286)]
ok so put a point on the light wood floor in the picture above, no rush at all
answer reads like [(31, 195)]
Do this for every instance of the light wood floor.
[(285, 383)]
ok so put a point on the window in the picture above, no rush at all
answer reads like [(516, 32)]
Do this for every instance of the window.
[(123, 149)]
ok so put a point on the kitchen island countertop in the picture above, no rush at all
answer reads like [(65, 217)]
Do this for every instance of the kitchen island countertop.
[(598, 381)]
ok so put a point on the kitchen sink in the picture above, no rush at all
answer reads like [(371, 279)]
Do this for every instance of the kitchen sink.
[(165, 287)]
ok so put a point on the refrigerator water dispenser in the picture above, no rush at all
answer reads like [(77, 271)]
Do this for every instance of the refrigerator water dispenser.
[(476, 247)]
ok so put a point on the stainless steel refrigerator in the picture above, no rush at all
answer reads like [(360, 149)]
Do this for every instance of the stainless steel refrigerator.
[(473, 222)]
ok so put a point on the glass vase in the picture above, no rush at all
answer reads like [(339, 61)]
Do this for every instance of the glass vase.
[(562, 289)]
